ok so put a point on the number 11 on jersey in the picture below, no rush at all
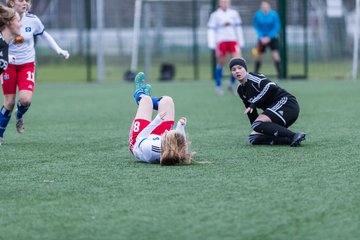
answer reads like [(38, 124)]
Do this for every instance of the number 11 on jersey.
[(30, 76)]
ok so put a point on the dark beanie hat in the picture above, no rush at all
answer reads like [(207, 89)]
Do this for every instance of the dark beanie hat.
[(237, 61)]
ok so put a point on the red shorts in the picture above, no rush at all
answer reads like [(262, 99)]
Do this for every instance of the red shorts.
[(231, 47), (139, 124), (22, 76)]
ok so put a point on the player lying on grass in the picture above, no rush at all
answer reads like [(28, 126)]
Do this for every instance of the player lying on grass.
[(280, 108), (153, 141), (9, 28)]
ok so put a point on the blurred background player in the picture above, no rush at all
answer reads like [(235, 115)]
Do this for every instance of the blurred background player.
[(9, 28), (153, 141), (21, 73), (225, 35), (280, 108), (267, 26)]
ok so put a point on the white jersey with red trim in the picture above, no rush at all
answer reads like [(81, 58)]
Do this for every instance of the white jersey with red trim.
[(31, 27), (225, 26), (148, 146)]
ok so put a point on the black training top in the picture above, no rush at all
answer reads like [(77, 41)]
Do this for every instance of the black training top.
[(260, 92), (4, 54)]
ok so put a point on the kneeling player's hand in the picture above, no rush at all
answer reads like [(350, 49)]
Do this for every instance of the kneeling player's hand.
[(248, 110), (65, 54)]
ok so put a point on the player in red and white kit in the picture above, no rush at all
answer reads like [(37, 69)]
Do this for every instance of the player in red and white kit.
[(152, 140), (225, 35), (21, 73)]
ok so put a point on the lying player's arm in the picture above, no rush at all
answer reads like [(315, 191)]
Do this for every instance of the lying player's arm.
[(52, 43), (149, 128), (180, 126)]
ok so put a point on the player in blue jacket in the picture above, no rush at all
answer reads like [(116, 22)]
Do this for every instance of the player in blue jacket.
[(267, 26)]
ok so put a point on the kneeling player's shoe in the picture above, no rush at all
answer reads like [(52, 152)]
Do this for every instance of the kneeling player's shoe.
[(147, 89), (1, 141), (297, 139)]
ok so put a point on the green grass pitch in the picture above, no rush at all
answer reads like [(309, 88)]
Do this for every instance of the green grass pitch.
[(71, 175)]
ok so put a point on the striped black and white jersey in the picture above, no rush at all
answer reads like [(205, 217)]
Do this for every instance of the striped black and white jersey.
[(4, 54), (260, 92)]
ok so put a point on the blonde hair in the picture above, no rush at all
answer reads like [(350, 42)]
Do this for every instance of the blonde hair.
[(6, 16), (175, 149), (11, 4)]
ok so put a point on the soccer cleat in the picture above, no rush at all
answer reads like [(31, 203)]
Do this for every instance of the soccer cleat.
[(147, 89), (297, 139), (20, 125), (139, 81)]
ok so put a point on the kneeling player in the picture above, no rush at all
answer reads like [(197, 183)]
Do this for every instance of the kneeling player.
[(280, 107), (153, 141)]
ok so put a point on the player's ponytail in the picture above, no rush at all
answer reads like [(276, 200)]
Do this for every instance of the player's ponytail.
[(6, 16)]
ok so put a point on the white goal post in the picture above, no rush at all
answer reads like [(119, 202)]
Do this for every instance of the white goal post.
[(356, 42), (100, 47)]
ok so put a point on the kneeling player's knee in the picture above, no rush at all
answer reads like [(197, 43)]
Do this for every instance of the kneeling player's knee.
[(256, 126), (252, 139), (258, 139)]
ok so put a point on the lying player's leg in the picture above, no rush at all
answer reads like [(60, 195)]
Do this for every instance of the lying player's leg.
[(142, 119), (166, 104)]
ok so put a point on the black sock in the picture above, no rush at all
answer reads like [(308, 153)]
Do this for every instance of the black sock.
[(277, 67), (272, 129), (260, 139), (257, 66)]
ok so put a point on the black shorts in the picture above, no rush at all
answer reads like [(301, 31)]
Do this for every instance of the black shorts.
[(273, 45), (284, 112)]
